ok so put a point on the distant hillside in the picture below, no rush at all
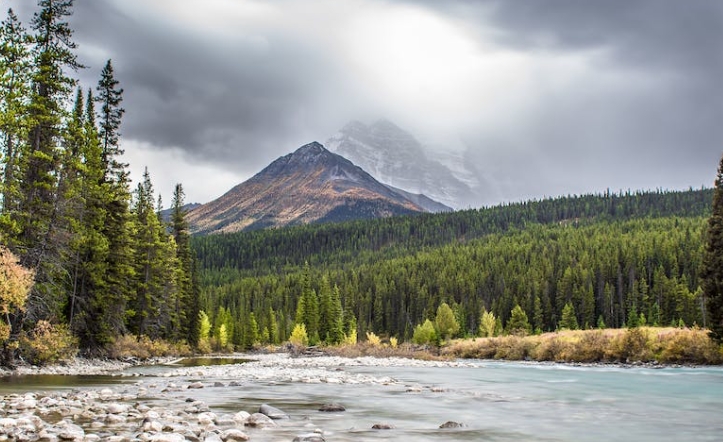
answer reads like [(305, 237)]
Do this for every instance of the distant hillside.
[(609, 260), (397, 236), (310, 185)]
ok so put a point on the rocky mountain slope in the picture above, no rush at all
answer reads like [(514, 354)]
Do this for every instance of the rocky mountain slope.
[(309, 185), (396, 158)]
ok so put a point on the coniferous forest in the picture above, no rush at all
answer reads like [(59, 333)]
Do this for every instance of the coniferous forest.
[(616, 260), (104, 262), (85, 260)]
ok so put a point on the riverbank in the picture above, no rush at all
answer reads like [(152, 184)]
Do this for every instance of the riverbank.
[(641, 345), (169, 405), (82, 366)]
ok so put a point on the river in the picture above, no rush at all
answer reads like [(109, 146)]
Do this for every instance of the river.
[(496, 401)]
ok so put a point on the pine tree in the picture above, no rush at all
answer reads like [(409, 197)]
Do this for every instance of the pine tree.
[(336, 327), (110, 97), (568, 320), (186, 307), (712, 271), (445, 322), (39, 237), (149, 260), (15, 66), (518, 323), (118, 223)]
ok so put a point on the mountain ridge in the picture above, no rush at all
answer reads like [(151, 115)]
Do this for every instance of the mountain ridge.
[(309, 185)]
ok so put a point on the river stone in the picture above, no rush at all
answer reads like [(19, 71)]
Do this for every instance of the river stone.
[(272, 412), (167, 437), (259, 420), (27, 404), (70, 431), (151, 425), (8, 423), (116, 408), (212, 437), (309, 437), (241, 417), (234, 434), (91, 438), (382, 426), (115, 419), (195, 385), (451, 424), (332, 408), (206, 418)]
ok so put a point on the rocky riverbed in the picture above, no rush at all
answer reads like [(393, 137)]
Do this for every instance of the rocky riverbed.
[(167, 405)]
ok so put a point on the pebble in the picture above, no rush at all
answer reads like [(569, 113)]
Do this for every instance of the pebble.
[(332, 408)]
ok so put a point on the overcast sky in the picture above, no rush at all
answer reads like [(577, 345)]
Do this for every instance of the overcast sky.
[(550, 97)]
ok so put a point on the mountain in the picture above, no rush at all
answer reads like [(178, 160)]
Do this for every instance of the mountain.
[(396, 158), (310, 185)]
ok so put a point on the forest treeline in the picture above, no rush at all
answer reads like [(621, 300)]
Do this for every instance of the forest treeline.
[(104, 263), (617, 260), (272, 250)]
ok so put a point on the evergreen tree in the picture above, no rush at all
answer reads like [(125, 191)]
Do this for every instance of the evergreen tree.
[(568, 320), (336, 326), (712, 269), (116, 229), (15, 67), (41, 241), (518, 323), (445, 322), (186, 307), (149, 261), (110, 97)]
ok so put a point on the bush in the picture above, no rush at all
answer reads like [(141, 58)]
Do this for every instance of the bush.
[(143, 347), (373, 339), (48, 343), (687, 347), (424, 334), (299, 338)]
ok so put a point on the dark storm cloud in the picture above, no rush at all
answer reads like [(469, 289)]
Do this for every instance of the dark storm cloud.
[(657, 126), (624, 93), (234, 102)]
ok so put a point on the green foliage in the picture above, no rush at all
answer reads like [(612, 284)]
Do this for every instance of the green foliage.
[(373, 339), (48, 343), (204, 332), (569, 319), (518, 323), (15, 284), (445, 322), (712, 266), (425, 334), (488, 324), (299, 337)]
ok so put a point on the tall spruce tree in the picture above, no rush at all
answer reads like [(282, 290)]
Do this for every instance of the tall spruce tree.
[(15, 68), (712, 272), (39, 241), (118, 226), (186, 307)]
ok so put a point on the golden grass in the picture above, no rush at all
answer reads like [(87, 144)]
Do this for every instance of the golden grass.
[(405, 350), (644, 344)]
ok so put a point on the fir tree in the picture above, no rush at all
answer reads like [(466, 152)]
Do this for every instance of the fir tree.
[(39, 235), (568, 320), (518, 323), (712, 272), (15, 66), (445, 322)]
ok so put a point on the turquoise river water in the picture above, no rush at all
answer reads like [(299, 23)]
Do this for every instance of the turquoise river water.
[(496, 401)]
